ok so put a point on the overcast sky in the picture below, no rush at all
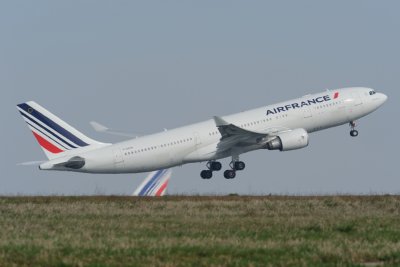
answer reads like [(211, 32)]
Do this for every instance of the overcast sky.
[(144, 66)]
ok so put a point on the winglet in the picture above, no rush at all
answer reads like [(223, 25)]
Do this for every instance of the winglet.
[(220, 121)]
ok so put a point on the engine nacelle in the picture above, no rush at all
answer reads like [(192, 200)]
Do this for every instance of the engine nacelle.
[(291, 140)]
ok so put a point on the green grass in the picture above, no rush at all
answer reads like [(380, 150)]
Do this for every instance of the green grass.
[(200, 231)]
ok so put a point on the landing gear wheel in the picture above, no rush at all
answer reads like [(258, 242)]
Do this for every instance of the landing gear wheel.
[(206, 174), (215, 166), (239, 165), (353, 133), (229, 174)]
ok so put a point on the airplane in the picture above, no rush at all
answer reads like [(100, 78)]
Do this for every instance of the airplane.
[(284, 126), (155, 184)]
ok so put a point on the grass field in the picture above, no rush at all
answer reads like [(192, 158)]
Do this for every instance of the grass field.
[(200, 231)]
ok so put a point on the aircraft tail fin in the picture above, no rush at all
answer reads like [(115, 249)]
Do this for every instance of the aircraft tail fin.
[(155, 184), (54, 135)]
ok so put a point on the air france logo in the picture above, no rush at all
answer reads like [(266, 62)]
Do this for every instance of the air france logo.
[(336, 95), (301, 104)]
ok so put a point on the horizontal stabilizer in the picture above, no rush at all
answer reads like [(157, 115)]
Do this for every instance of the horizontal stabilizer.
[(31, 163), (98, 127), (104, 129)]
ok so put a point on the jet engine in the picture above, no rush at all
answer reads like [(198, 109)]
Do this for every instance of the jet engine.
[(291, 140)]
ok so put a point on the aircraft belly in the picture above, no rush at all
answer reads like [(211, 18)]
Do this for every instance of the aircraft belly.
[(150, 162), (201, 154), (324, 119)]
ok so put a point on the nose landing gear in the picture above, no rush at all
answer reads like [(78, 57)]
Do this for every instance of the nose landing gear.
[(353, 131)]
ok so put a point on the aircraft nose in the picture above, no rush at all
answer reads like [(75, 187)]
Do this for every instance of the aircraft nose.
[(382, 98)]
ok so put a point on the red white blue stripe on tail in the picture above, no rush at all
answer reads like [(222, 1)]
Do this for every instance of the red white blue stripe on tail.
[(155, 184), (53, 134)]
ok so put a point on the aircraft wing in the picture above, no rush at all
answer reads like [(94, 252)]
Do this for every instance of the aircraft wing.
[(155, 184), (233, 136)]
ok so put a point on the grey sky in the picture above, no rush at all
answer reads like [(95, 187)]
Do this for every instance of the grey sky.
[(144, 66)]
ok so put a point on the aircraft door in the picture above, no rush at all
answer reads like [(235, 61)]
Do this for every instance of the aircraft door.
[(197, 139), (307, 114), (307, 122), (118, 158), (354, 104)]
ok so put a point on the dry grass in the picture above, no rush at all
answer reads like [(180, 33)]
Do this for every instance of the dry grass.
[(208, 231)]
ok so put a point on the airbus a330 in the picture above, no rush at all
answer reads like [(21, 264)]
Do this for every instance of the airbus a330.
[(284, 126)]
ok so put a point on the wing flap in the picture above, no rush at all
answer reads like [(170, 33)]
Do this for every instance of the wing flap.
[(233, 136), (228, 129)]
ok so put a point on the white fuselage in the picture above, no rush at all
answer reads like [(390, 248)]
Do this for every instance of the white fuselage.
[(198, 142)]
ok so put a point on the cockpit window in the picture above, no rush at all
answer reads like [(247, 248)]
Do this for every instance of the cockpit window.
[(372, 92)]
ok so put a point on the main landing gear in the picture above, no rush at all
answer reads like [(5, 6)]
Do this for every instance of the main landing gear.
[(353, 132), (212, 166), (235, 165)]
